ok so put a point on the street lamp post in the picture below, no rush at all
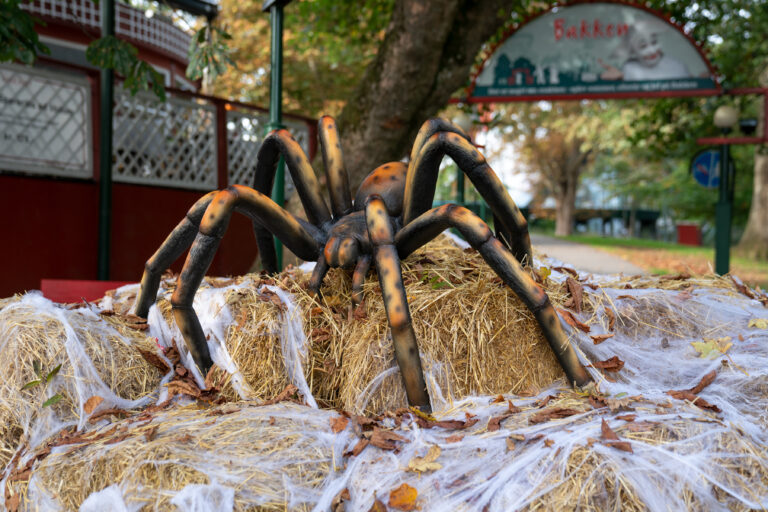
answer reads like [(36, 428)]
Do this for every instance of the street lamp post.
[(275, 9), (725, 118)]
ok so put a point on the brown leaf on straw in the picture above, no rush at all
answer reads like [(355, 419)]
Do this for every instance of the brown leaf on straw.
[(611, 439), (571, 320), (150, 434), (92, 403), (682, 276), (597, 402), (498, 399), (12, 503), (494, 423), (155, 360), (544, 401), (385, 439), (599, 338), (568, 270), (337, 504), (744, 289), (696, 400), (108, 412), (627, 417), (552, 414), (286, 394), (377, 506), (338, 424), (704, 382), (611, 318), (577, 293), (613, 364), (548, 443), (630, 297), (454, 438), (403, 498), (358, 448)]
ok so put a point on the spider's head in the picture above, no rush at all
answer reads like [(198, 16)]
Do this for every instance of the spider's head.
[(341, 252)]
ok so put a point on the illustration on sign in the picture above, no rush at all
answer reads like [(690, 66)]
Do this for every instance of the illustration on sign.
[(594, 48), (705, 167)]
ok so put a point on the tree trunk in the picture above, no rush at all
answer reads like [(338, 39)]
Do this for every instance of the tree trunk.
[(754, 242), (425, 57), (565, 208)]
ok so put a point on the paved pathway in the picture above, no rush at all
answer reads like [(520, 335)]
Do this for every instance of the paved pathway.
[(583, 257)]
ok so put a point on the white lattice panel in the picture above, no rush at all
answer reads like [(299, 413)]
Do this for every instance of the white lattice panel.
[(45, 123), (245, 131), (170, 144), (129, 22)]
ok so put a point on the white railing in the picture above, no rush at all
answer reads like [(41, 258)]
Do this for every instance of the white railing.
[(130, 23)]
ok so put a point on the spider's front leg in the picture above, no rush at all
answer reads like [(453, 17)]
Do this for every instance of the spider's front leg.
[(430, 224), (381, 233), (304, 239)]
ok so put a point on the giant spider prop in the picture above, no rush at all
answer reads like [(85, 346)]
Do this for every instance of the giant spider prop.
[(390, 217)]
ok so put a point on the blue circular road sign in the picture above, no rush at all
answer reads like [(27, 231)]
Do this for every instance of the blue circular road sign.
[(705, 167)]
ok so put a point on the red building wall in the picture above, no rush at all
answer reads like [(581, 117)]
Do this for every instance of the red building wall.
[(50, 230)]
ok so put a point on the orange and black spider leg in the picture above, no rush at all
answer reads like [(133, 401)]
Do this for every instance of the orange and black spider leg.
[(318, 273), (358, 278), (300, 237), (338, 181), (430, 128), (174, 245), (280, 143), (422, 178), (476, 232), (380, 231)]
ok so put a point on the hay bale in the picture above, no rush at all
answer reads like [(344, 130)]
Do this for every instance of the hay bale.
[(97, 356)]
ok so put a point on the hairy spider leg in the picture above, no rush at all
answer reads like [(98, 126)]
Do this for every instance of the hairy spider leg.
[(430, 224), (172, 247), (318, 273), (280, 143), (422, 179), (381, 231), (333, 161), (358, 278), (299, 236)]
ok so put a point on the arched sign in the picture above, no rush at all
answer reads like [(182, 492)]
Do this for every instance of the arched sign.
[(588, 49)]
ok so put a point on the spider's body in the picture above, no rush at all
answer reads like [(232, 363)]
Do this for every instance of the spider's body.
[(390, 217)]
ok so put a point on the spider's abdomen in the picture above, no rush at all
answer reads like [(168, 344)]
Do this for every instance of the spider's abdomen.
[(388, 181)]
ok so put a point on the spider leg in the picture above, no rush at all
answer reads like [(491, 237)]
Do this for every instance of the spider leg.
[(333, 161), (318, 273), (476, 232), (301, 237), (174, 245), (422, 178), (358, 278), (280, 143), (428, 129), (381, 231)]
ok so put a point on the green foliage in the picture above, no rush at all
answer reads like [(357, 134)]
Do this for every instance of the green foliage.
[(209, 53), (44, 380), (18, 39), (109, 52)]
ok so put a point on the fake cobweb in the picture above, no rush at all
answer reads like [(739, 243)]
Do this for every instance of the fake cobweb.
[(677, 419)]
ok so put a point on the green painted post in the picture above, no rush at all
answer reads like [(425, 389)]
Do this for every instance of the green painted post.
[(459, 186), (107, 96), (723, 214), (275, 8)]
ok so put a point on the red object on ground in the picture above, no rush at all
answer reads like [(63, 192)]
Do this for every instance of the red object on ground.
[(688, 234), (75, 290)]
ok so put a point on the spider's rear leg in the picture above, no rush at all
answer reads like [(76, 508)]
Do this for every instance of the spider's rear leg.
[(302, 238), (358, 278), (430, 224), (396, 303), (318, 273), (174, 245)]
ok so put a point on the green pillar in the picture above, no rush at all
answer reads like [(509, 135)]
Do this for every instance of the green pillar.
[(724, 213), (275, 8), (107, 96), (459, 186)]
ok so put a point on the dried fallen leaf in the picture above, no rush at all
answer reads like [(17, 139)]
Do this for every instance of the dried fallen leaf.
[(696, 400), (92, 403), (510, 444), (338, 424), (548, 443), (151, 433), (758, 323), (599, 338), (611, 318), (498, 399), (571, 320), (454, 438), (711, 348), (337, 504), (385, 439), (627, 417), (577, 293), (377, 506), (704, 382), (426, 463), (403, 498), (613, 364), (552, 414), (612, 440)]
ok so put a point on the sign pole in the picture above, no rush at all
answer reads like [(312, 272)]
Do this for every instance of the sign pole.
[(724, 212), (275, 8), (107, 96)]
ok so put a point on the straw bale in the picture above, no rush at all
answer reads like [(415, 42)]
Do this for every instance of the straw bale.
[(30, 337)]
